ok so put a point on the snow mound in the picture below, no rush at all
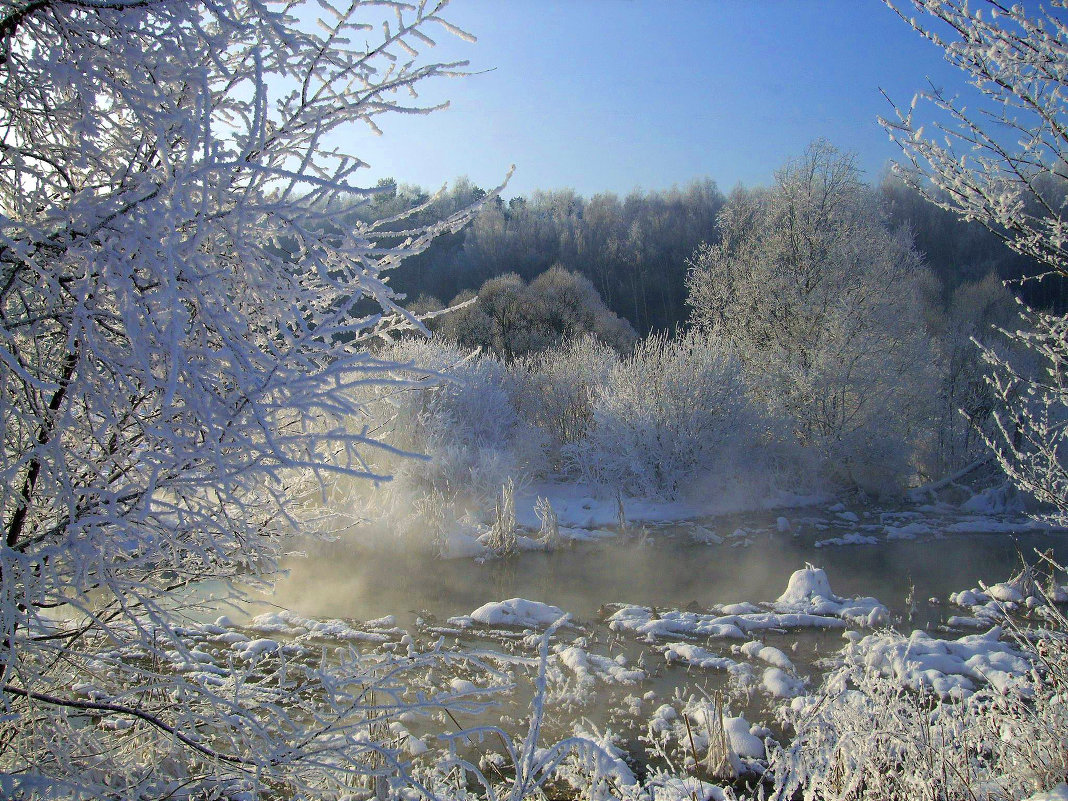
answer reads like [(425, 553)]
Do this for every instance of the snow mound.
[(990, 603), (767, 653), (745, 741), (809, 592), (781, 684), (946, 667), (695, 656), (804, 585), (654, 623), (517, 612)]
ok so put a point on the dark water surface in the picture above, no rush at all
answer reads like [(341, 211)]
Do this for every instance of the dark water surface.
[(670, 569)]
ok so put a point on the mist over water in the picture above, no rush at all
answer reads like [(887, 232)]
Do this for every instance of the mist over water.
[(670, 569), (674, 567)]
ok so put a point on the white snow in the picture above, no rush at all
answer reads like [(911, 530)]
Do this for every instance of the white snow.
[(852, 538), (694, 655), (909, 531), (807, 602), (780, 684), (743, 741), (584, 507), (809, 592), (804, 585), (586, 667), (1058, 793), (514, 612), (677, 788), (947, 667), (253, 648), (766, 653), (293, 625)]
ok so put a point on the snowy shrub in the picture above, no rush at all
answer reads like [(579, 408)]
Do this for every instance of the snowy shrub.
[(870, 738), (558, 388), (676, 409), (458, 409)]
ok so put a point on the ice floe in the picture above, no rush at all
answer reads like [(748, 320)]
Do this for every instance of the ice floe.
[(807, 602)]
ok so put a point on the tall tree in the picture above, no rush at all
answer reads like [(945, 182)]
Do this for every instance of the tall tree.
[(816, 296)]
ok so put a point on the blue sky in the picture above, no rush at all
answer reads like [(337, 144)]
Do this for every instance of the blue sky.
[(609, 95)]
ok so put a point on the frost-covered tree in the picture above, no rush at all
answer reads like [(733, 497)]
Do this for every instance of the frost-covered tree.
[(1002, 160), (667, 416), (514, 318), (817, 298), (179, 342)]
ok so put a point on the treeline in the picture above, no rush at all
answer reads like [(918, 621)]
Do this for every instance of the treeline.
[(819, 352), (635, 249)]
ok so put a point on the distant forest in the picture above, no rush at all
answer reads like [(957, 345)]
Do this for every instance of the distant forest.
[(635, 249)]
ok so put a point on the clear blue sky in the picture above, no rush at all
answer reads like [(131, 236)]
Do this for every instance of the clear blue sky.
[(609, 95)]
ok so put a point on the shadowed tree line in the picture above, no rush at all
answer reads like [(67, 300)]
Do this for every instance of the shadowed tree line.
[(634, 250)]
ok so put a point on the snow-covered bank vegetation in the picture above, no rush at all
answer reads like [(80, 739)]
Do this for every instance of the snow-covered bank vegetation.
[(201, 358), (819, 359)]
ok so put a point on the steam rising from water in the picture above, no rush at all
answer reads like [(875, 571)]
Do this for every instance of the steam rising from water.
[(373, 573)]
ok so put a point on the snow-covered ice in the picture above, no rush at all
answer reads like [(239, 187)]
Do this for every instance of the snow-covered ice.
[(946, 667), (809, 592), (513, 612)]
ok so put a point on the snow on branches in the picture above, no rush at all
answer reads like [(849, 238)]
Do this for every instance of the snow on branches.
[(1001, 161), (1004, 163), (181, 328)]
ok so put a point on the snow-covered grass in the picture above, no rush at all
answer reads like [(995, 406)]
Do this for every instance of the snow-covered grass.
[(981, 717)]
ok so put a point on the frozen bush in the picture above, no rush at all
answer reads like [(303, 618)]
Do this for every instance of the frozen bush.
[(458, 409), (559, 386), (873, 740), (677, 408), (884, 727)]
